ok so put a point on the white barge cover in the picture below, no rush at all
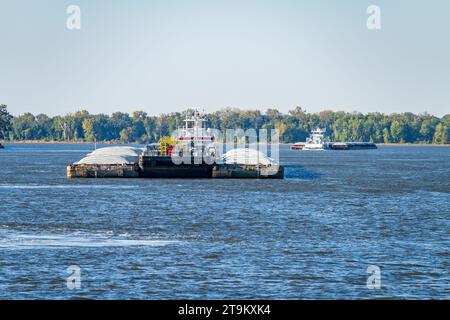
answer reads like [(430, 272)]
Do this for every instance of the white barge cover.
[(112, 155), (247, 156)]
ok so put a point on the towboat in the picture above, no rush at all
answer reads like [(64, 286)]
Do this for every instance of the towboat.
[(189, 153), (316, 141), (192, 143)]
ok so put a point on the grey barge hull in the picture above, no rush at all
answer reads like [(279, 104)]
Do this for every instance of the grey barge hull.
[(103, 171), (163, 167), (241, 171), (352, 145)]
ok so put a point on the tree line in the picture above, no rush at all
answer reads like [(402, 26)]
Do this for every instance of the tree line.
[(293, 126)]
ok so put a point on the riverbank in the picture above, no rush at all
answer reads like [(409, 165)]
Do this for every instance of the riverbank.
[(413, 145)]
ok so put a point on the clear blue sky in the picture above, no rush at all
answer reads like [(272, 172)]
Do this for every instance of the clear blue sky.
[(164, 56)]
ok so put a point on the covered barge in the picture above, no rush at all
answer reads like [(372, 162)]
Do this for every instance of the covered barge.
[(163, 167), (191, 154)]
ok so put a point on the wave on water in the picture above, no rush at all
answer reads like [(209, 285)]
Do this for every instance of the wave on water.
[(298, 172), (30, 241), (64, 186), (43, 149)]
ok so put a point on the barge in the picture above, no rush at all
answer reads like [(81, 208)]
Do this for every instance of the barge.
[(352, 145), (91, 170), (190, 154)]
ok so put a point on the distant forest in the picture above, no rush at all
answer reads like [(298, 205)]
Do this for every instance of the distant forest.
[(293, 126)]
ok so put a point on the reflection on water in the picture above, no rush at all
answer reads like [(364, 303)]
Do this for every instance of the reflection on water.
[(311, 235)]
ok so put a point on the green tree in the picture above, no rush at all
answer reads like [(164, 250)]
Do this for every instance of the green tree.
[(426, 130), (386, 136), (78, 118), (5, 121), (295, 125), (68, 126), (88, 129), (446, 119), (102, 127), (24, 127), (445, 135), (397, 131), (119, 121), (125, 135), (44, 125), (441, 134)]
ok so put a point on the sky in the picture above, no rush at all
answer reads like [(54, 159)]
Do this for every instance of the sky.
[(169, 55)]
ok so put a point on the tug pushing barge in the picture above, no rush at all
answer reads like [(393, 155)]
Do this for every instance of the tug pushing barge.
[(316, 141), (191, 154)]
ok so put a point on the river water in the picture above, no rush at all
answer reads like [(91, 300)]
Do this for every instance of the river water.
[(312, 235)]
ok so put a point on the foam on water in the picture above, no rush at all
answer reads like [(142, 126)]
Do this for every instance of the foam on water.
[(25, 186), (29, 241)]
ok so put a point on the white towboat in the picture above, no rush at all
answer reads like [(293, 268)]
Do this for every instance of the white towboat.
[(195, 136), (316, 141)]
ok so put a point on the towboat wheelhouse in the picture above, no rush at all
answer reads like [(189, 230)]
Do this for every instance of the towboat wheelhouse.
[(194, 137)]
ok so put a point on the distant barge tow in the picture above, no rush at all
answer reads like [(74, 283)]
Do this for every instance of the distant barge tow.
[(316, 141)]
